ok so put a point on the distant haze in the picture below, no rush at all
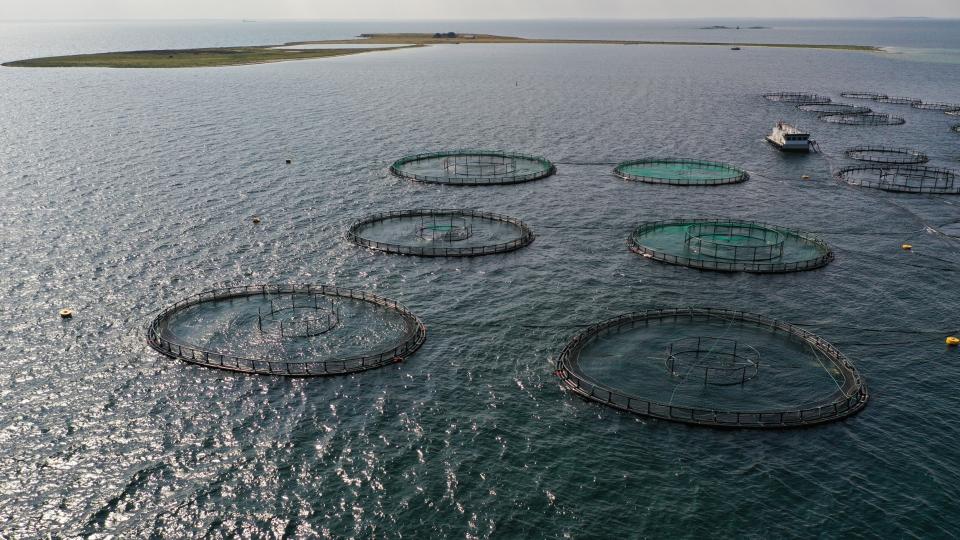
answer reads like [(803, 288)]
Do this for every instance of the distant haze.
[(470, 9)]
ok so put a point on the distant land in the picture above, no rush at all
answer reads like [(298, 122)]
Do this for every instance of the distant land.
[(721, 27), (233, 56)]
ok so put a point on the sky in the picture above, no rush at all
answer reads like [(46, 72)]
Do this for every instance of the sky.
[(469, 9)]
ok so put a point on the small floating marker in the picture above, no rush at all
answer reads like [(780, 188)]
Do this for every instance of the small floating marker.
[(906, 247), (953, 341), (289, 161), (805, 177), (256, 220), (66, 313)]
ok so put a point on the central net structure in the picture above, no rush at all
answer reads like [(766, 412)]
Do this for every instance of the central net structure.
[(287, 330), (729, 245), (444, 228), (865, 119), (680, 172), (712, 381), (903, 179), (887, 155), (834, 108), (734, 241), (713, 360), (480, 165), (796, 97), (441, 232), (313, 316), (864, 95), (472, 167)]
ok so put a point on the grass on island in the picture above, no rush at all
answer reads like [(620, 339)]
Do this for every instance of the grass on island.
[(182, 58), (235, 56)]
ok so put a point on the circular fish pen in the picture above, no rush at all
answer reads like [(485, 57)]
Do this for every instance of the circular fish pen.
[(440, 232), (287, 330), (833, 108), (904, 179), (472, 167), (866, 119), (898, 100), (680, 172), (863, 95), (701, 366), (729, 245), (887, 155), (796, 97), (936, 106)]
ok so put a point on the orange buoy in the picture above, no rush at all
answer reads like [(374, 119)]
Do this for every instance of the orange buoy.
[(66, 313), (953, 341)]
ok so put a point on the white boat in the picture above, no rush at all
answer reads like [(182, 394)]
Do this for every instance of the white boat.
[(789, 139)]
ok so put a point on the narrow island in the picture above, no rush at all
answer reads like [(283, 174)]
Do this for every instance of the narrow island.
[(234, 56), (186, 58)]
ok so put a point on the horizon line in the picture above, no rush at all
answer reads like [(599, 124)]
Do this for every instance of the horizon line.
[(486, 19)]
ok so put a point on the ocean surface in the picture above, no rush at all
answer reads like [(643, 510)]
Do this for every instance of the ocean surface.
[(122, 191)]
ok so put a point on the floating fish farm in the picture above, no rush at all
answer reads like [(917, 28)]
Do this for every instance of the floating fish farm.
[(287, 330), (729, 245)]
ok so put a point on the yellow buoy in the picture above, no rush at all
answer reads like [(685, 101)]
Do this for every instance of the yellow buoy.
[(66, 313), (953, 341), (906, 247), (805, 177), (256, 220)]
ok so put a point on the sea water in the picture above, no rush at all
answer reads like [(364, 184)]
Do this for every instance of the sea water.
[(122, 191)]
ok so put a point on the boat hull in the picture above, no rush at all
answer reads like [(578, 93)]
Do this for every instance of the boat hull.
[(794, 148)]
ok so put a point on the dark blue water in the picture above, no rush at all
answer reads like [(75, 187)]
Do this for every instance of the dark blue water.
[(122, 191)]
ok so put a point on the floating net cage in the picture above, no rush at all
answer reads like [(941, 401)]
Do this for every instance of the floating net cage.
[(952, 113), (472, 167), (712, 360), (680, 172), (887, 155), (667, 364), (441, 232), (904, 179), (898, 100), (863, 95), (865, 119), (833, 108), (956, 128), (937, 106), (287, 330), (796, 97), (729, 245)]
